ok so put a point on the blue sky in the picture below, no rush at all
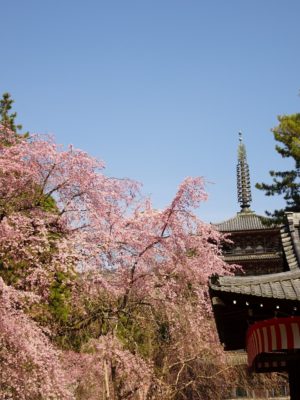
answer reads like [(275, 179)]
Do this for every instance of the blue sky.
[(158, 89)]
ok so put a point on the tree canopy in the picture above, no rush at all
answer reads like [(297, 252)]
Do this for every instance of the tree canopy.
[(101, 294), (286, 183), (107, 287), (8, 119)]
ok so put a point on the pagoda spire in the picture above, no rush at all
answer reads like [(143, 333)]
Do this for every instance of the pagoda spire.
[(243, 177)]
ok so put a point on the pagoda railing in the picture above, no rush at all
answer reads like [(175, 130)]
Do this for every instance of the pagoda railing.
[(252, 250)]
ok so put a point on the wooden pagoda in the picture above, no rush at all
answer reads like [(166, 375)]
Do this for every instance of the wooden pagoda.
[(260, 311), (256, 246)]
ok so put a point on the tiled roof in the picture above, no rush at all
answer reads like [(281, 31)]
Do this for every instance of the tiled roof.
[(283, 285), (289, 251), (243, 221), (290, 237)]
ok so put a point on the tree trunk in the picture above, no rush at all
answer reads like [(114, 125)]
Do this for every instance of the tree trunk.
[(106, 379)]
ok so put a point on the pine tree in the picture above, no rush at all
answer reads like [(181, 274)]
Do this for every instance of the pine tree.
[(7, 118), (286, 183)]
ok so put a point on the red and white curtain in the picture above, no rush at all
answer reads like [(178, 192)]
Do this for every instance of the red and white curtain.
[(273, 335)]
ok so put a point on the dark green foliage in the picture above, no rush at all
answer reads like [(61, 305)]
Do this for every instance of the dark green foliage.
[(47, 203), (26, 200), (59, 297), (87, 318), (7, 118), (286, 183), (12, 273)]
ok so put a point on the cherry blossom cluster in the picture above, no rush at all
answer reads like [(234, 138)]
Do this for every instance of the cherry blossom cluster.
[(59, 213)]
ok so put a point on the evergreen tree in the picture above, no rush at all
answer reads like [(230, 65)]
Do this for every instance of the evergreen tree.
[(286, 183), (7, 118)]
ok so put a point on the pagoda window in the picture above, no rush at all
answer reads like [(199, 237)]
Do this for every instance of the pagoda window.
[(238, 250), (228, 248), (249, 249), (259, 249)]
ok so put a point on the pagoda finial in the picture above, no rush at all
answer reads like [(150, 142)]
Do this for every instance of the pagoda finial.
[(243, 177)]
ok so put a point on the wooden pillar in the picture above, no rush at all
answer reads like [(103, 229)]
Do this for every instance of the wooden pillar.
[(294, 380)]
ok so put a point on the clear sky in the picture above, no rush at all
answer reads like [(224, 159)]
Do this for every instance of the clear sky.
[(158, 89)]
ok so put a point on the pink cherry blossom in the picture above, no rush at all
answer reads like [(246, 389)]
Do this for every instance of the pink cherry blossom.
[(59, 212)]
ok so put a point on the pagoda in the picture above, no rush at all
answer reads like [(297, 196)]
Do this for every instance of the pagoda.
[(256, 243), (260, 311)]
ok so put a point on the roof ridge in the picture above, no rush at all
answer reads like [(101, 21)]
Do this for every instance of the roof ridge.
[(266, 278), (244, 221)]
